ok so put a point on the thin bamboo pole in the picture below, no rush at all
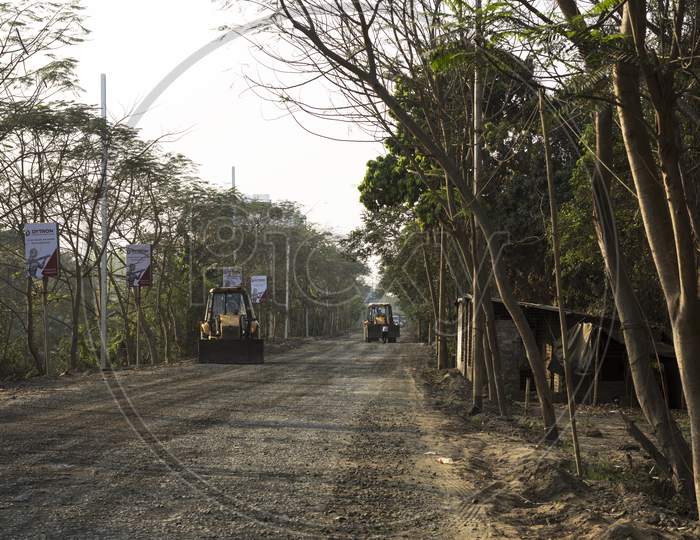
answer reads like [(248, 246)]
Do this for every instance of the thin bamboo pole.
[(557, 276)]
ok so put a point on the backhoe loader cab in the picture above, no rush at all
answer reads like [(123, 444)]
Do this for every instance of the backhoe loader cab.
[(379, 315), (230, 333)]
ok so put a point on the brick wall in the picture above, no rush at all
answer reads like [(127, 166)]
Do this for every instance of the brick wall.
[(513, 357)]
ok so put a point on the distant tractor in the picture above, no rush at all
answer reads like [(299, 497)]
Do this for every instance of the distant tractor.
[(230, 333), (378, 316)]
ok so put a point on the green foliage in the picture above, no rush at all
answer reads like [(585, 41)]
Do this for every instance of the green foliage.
[(388, 182), (515, 192), (32, 33), (582, 264)]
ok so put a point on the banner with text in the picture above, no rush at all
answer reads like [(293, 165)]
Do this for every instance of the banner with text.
[(41, 249), (258, 289), (138, 265), (233, 277)]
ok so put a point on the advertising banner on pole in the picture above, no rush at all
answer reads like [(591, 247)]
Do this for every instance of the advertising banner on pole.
[(138, 265), (41, 250), (258, 289), (233, 277)]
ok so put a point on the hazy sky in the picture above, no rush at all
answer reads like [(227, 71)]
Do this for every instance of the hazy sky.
[(218, 121)]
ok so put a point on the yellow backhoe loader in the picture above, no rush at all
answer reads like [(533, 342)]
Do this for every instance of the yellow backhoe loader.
[(230, 333), (379, 316)]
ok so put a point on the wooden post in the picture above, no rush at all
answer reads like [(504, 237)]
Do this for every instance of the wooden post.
[(596, 368), (570, 397), (137, 298), (596, 373), (127, 327), (527, 395), (664, 381)]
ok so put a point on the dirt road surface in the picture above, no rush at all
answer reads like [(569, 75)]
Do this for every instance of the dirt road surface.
[(332, 439)]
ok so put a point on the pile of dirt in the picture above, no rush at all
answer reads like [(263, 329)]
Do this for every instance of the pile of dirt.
[(628, 530), (528, 488), (543, 480)]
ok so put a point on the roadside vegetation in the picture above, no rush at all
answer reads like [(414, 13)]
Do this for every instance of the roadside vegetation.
[(50, 171)]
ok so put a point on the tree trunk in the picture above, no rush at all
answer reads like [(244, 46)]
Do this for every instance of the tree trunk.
[(477, 181), (638, 339), (534, 357), (492, 354), (683, 308), (151, 340), (161, 323), (30, 327), (173, 324), (477, 323), (664, 215), (75, 316), (429, 280)]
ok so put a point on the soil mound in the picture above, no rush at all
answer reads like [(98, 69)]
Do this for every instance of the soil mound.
[(628, 530), (548, 481)]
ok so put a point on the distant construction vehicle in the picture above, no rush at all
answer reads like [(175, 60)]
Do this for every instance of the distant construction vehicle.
[(379, 316), (230, 333)]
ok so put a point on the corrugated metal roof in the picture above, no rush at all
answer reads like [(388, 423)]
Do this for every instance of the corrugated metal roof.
[(662, 348), (588, 317)]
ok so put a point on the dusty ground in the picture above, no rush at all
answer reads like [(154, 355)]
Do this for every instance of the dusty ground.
[(528, 489), (331, 439), (326, 440)]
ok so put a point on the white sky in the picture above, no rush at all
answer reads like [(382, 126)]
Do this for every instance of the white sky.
[(219, 121)]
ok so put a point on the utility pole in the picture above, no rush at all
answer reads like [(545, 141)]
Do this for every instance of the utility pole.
[(557, 277), (105, 229), (233, 177), (286, 296)]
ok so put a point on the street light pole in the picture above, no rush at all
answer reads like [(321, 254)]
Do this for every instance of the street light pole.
[(105, 230)]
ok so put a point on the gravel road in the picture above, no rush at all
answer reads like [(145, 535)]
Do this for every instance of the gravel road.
[(328, 440)]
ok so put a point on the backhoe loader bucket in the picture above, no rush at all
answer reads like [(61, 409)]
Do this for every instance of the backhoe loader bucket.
[(220, 351)]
